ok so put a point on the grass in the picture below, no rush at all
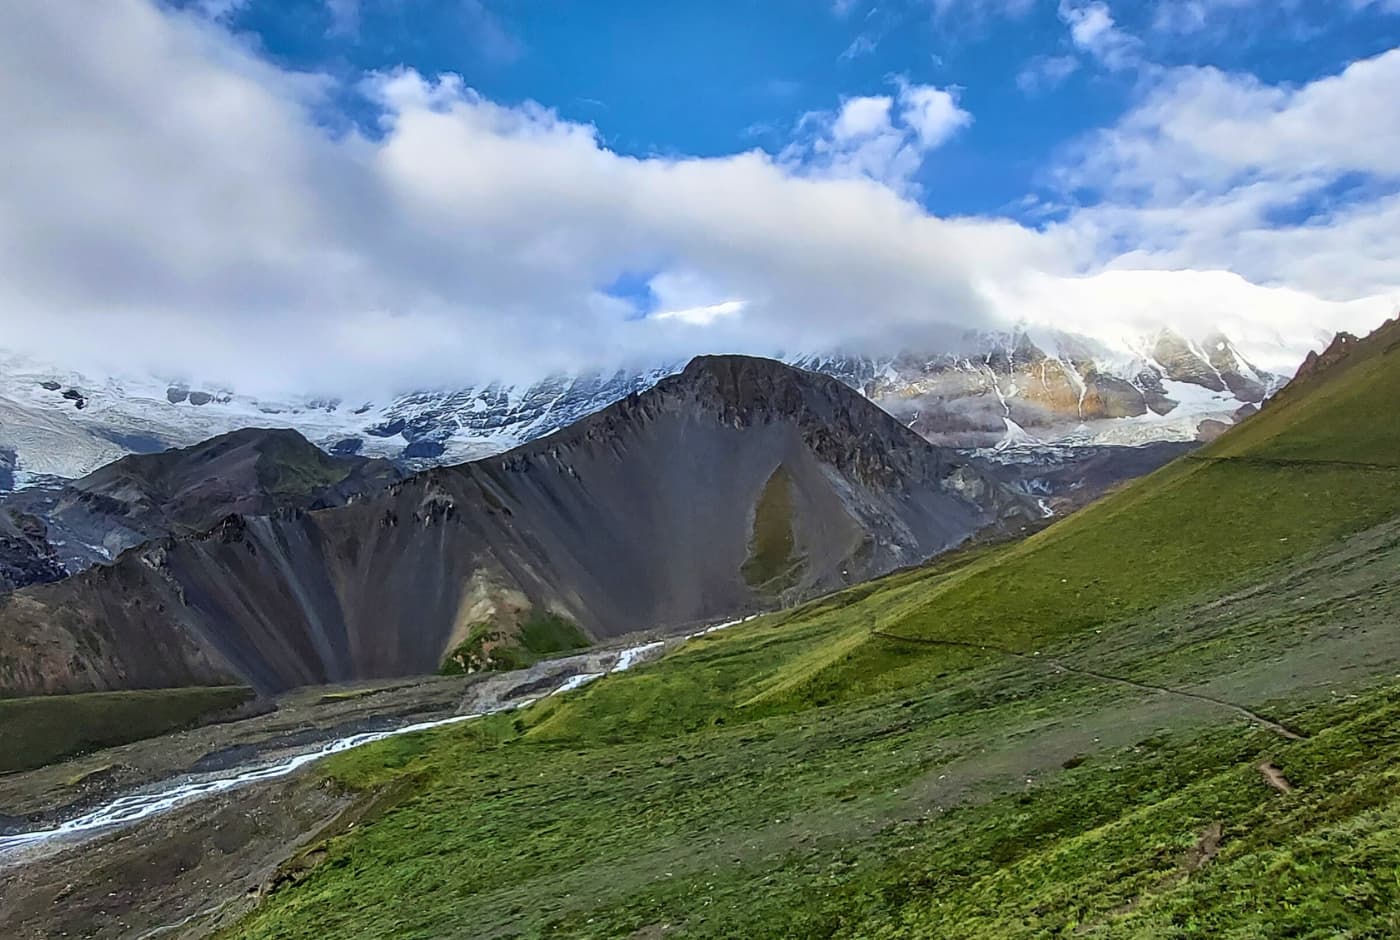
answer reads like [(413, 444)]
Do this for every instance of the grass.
[(492, 647), (291, 470), (978, 805), (43, 729), (803, 776), (770, 566), (546, 634)]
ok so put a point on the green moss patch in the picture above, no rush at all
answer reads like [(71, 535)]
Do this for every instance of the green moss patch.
[(771, 566), (491, 647)]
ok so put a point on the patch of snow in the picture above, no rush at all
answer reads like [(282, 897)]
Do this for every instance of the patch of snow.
[(1016, 436)]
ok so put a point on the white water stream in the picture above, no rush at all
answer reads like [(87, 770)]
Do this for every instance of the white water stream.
[(137, 806), (134, 807)]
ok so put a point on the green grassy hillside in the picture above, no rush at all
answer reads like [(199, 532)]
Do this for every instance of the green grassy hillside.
[(1319, 463), (42, 729), (1174, 714)]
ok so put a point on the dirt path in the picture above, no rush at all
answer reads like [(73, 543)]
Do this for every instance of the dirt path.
[(1060, 666), (1275, 778), (1296, 462)]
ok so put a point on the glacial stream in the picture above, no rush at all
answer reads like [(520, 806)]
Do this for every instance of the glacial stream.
[(134, 807)]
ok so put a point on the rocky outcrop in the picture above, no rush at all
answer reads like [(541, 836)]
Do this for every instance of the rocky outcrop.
[(26, 554), (1182, 362), (1345, 350)]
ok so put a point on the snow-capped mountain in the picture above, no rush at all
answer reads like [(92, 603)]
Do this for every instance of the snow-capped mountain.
[(1031, 387), (58, 423), (1022, 387)]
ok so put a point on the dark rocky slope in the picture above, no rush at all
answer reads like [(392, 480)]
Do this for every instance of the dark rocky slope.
[(254, 471), (26, 554), (737, 484)]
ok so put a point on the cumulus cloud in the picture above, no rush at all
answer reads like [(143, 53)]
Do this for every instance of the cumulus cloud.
[(174, 202), (1093, 29), (933, 113), (1284, 185), (171, 201), (878, 137)]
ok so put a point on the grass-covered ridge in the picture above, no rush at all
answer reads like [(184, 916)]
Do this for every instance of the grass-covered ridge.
[(42, 729), (1076, 735)]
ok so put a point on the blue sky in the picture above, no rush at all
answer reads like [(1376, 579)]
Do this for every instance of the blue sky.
[(712, 78), (330, 195)]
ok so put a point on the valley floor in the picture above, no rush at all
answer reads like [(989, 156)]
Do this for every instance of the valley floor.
[(1221, 767), (169, 830)]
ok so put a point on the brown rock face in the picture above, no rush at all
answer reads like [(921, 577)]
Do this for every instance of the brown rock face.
[(1106, 396), (1241, 379), (26, 554), (1181, 363)]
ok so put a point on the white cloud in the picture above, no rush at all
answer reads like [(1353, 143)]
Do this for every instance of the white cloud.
[(1220, 122), (1142, 301), (1208, 170), (169, 200), (933, 113), (878, 137), (1044, 73), (703, 316), (175, 203), (863, 117), (1093, 30)]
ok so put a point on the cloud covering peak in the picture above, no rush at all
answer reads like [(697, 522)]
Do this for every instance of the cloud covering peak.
[(175, 201)]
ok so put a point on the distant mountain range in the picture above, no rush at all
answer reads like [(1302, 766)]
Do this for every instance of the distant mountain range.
[(1023, 387), (738, 484)]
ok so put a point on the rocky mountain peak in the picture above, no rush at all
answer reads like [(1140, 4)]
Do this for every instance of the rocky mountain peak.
[(841, 427), (1344, 348), (748, 388), (1060, 386)]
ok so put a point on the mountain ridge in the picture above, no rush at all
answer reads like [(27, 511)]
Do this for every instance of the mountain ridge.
[(183, 490), (642, 517), (1064, 388)]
